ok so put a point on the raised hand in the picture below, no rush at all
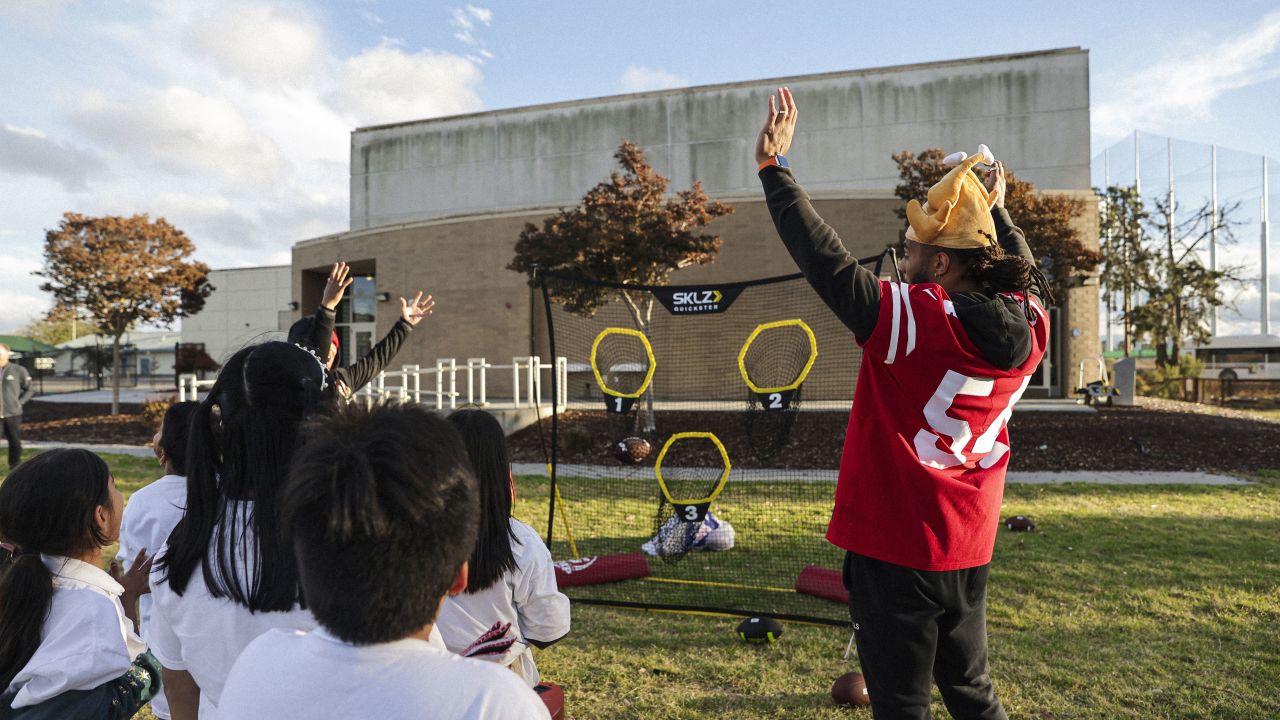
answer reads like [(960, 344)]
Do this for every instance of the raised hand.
[(414, 312), (996, 183), (339, 280), (779, 126)]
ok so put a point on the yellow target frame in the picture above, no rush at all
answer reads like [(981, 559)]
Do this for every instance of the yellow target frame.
[(724, 476), (804, 373), (648, 350)]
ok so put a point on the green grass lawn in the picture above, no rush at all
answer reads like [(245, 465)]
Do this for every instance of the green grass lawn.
[(1127, 602)]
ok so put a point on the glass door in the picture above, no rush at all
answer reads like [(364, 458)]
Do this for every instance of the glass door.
[(356, 320)]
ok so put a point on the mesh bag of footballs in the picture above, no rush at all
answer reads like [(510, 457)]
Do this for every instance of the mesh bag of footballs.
[(632, 450)]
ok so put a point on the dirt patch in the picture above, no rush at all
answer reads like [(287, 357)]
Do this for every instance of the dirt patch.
[(85, 423), (1153, 436)]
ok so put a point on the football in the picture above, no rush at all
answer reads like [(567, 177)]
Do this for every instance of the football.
[(632, 450), (850, 689), (760, 630), (1020, 523)]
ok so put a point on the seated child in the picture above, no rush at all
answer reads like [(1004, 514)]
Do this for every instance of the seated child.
[(512, 600), (381, 509), (68, 647), (153, 511)]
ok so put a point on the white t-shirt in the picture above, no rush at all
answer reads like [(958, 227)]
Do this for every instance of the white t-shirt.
[(284, 675), (85, 641), (149, 517), (204, 635), (527, 597)]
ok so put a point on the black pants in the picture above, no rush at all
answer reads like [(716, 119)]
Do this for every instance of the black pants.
[(13, 434), (913, 626)]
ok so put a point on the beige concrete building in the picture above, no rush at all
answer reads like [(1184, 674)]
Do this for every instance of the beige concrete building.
[(438, 204)]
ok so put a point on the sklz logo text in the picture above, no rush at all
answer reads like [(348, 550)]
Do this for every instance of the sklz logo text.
[(692, 302), (696, 297)]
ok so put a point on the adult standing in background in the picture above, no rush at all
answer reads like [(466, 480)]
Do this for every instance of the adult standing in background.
[(15, 391)]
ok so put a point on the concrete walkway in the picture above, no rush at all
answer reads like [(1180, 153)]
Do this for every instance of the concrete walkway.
[(131, 396), (1098, 477)]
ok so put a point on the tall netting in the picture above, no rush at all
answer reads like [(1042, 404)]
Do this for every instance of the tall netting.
[(683, 445)]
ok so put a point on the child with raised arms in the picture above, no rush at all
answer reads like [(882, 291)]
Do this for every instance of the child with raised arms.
[(381, 509), (511, 602), (68, 648)]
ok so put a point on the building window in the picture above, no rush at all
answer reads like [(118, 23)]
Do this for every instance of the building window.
[(356, 320)]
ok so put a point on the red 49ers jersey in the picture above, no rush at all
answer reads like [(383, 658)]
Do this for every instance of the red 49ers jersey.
[(922, 473)]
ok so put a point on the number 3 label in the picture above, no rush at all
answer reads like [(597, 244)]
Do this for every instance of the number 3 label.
[(943, 425)]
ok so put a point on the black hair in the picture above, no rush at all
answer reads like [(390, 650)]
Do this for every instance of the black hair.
[(487, 447), (303, 332), (175, 429), (48, 505), (999, 272), (381, 508), (243, 436)]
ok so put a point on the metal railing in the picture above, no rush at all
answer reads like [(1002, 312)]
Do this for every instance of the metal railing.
[(449, 384)]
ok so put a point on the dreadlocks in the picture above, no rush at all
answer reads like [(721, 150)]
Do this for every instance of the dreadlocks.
[(999, 272)]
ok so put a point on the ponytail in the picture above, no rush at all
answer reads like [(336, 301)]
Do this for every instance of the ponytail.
[(26, 589), (48, 505)]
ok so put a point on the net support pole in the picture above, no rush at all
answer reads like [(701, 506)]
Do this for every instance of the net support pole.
[(1213, 230), (1266, 268), (555, 410)]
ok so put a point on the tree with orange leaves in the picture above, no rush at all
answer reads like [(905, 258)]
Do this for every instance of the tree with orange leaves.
[(122, 271)]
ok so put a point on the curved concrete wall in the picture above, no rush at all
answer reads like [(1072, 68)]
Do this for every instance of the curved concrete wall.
[(1032, 109)]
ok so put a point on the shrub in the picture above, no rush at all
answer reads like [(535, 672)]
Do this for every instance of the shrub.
[(1166, 381)]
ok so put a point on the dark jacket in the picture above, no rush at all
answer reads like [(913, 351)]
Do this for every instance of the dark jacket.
[(997, 325), (15, 389), (346, 381), (119, 699)]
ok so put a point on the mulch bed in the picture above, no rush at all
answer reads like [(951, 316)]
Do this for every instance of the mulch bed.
[(1156, 435), (85, 423), (1165, 436)]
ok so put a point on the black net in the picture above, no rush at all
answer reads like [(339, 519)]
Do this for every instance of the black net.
[(742, 520)]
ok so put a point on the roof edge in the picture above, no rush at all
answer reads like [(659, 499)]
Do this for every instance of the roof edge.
[(1073, 50)]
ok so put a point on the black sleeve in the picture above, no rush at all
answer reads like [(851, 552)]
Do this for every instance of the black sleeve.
[(119, 699), (850, 290), (28, 390), (1012, 240), (322, 331), (367, 368)]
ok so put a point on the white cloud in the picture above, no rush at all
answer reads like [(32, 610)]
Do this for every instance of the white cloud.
[(386, 84), (637, 78), (259, 44), (1182, 87), (28, 151), (232, 124), (20, 298), (182, 130)]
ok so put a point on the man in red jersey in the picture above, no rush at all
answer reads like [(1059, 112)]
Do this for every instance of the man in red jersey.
[(945, 356)]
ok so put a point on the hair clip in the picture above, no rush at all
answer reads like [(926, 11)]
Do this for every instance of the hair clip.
[(324, 371)]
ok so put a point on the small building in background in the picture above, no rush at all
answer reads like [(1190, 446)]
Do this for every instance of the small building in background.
[(248, 305)]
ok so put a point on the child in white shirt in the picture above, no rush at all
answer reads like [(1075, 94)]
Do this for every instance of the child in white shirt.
[(154, 510), (68, 647), (381, 510), (512, 601), (227, 574)]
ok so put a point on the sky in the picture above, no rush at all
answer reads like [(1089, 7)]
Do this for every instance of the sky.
[(232, 118)]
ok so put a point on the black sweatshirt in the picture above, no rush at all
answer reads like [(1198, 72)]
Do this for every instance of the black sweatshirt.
[(353, 377), (996, 325)]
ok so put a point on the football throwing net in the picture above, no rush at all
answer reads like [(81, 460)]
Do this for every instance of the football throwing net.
[(724, 383)]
